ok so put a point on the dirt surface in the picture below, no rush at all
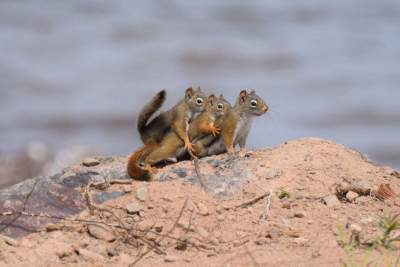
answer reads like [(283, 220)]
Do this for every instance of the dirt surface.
[(293, 205)]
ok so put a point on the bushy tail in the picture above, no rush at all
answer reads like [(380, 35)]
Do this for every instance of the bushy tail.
[(134, 168), (149, 110)]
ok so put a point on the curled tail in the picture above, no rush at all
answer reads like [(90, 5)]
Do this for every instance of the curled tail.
[(137, 167), (149, 110)]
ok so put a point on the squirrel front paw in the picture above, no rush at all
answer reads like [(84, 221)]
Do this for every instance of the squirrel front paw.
[(188, 145)]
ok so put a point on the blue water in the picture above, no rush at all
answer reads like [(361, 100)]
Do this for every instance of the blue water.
[(77, 72)]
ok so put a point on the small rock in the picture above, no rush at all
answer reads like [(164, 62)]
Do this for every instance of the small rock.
[(111, 252), (159, 228), (355, 228), (202, 232), (331, 201), (214, 241), (54, 227), (219, 209), (286, 205), (221, 218), (261, 241), (361, 187), (63, 250), (271, 174), (90, 162), (9, 241), (225, 206), (101, 233), (351, 196), (127, 189), (142, 193), (299, 214), (315, 254), (90, 255), (171, 258), (202, 209), (133, 208)]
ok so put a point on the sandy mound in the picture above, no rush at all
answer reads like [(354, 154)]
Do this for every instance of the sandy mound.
[(298, 204)]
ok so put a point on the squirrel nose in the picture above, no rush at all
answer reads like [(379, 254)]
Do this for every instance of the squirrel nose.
[(265, 109)]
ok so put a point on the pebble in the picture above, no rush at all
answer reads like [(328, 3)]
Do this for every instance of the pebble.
[(355, 228), (351, 196), (9, 241), (133, 208), (299, 214), (90, 162), (142, 193), (202, 209), (101, 233), (202, 232), (331, 201), (158, 227), (54, 227), (171, 258), (219, 209), (127, 189), (221, 218), (271, 174), (90, 255)]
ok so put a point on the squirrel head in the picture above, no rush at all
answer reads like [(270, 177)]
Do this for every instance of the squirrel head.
[(218, 106), (251, 103), (195, 99)]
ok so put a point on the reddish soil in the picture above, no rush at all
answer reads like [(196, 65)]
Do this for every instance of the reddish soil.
[(180, 224)]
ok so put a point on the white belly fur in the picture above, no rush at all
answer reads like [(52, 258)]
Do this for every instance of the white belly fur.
[(242, 128)]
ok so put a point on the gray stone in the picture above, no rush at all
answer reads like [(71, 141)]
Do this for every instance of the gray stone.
[(202, 232), (101, 233), (133, 208), (202, 209), (90, 162), (9, 241), (171, 258), (142, 193), (331, 201), (271, 174)]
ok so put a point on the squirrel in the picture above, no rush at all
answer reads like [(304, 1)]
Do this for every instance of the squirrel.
[(176, 119), (235, 125), (172, 147)]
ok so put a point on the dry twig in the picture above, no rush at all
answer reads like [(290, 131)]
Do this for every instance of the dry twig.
[(196, 163), (7, 224)]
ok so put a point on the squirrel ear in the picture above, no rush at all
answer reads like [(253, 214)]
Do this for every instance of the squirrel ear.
[(211, 99), (221, 96), (243, 96), (198, 89), (189, 93), (252, 92)]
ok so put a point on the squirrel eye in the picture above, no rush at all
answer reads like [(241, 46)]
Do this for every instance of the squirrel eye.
[(199, 101), (253, 103), (141, 165), (220, 106)]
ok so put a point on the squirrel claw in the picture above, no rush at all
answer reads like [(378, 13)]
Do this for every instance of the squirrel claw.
[(215, 131), (189, 146), (150, 169)]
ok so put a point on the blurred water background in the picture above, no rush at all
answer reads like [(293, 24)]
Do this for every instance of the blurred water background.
[(74, 74)]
